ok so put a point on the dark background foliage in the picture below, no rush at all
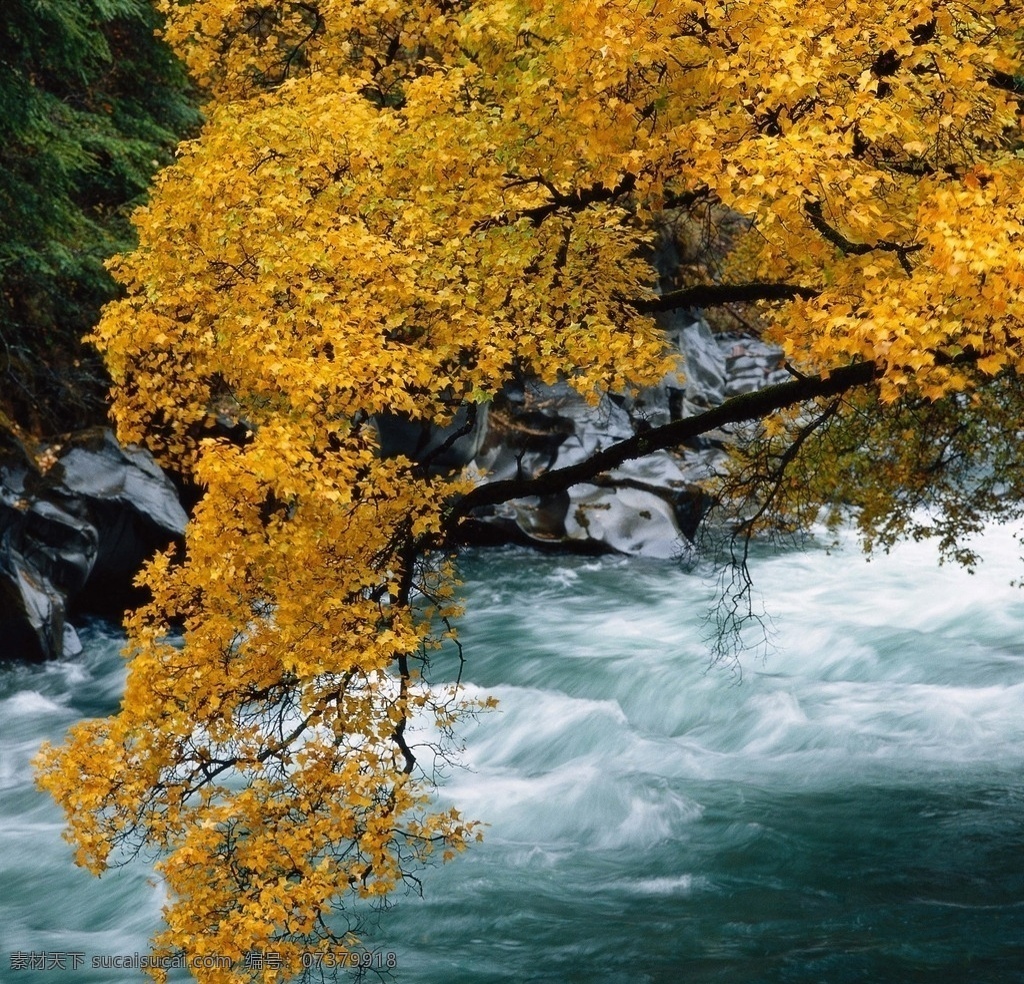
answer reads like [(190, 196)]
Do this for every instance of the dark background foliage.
[(91, 104)]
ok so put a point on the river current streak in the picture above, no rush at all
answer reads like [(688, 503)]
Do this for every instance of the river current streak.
[(851, 810)]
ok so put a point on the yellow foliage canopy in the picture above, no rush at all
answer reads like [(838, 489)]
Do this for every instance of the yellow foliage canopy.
[(391, 208)]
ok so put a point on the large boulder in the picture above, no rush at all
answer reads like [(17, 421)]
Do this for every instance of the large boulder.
[(76, 523), (651, 506)]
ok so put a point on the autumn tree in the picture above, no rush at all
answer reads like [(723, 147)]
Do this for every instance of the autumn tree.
[(392, 208)]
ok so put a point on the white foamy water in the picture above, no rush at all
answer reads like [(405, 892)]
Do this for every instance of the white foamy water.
[(846, 809)]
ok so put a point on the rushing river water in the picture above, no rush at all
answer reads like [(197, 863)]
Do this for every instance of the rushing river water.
[(851, 809)]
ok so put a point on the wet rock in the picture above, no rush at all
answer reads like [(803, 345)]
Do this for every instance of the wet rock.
[(704, 366), (652, 506), (132, 505), (74, 535), (44, 555), (423, 441), (624, 519)]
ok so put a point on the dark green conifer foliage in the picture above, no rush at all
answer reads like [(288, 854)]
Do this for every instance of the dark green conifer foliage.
[(91, 104)]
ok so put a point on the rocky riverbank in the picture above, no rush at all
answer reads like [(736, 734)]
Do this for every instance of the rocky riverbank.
[(76, 523), (78, 520)]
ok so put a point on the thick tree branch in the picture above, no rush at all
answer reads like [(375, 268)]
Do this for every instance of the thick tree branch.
[(711, 295), (847, 246), (575, 201), (747, 406)]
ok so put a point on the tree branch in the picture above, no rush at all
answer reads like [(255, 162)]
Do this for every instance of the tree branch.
[(1013, 84), (746, 528), (847, 246), (575, 201), (423, 465), (687, 199), (747, 406), (712, 295)]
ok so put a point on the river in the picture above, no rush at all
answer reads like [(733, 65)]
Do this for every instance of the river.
[(849, 807)]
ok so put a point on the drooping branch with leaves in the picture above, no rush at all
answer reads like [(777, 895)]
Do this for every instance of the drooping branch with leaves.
[(392, 208)]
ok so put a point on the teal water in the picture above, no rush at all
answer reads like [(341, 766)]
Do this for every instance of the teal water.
[(849, 808)]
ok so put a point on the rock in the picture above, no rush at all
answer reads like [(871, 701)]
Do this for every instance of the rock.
[(33, 609), (95, 467), (522, 440), (75, 535), (132, 505), (421, 440), (542, 517), (750, 364), (631, 510), (623, 519), (652, 506), (594, 428), (704, 365)]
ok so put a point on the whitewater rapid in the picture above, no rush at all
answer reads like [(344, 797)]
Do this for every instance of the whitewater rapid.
[(845, 808)]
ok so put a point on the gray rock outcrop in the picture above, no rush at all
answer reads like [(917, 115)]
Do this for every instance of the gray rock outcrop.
[(651, 506), (73, 535), (75, 530)]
